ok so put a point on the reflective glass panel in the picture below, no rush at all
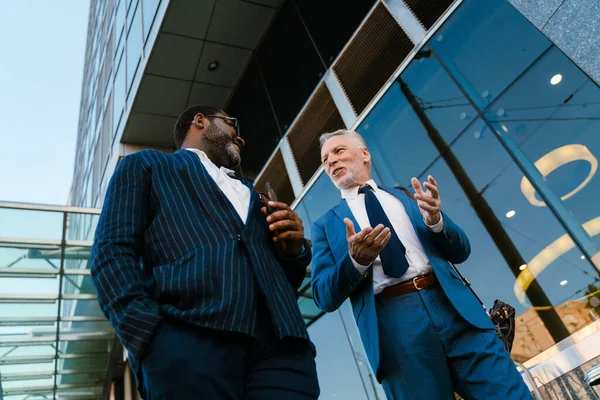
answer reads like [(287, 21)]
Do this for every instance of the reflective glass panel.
[(28, 256), (134, 46), (119, 93), (82, 226), (149, 8), (553, 112), (521, 253), (30, 224), (322, 196), (287, 51), (488, 44), (397, 139), (337, 369)]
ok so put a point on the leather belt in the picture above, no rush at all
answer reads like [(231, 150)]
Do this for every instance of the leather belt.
[(415, 284)]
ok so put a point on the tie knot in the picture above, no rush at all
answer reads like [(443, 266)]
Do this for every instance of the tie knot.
[(365, 188)]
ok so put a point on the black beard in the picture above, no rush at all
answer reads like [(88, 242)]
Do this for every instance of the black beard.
[(222, 141)]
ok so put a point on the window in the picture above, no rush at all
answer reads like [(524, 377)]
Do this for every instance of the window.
[(134, 47), (290, 64), (488, 96), (332, 23), (450, 114), (119, 92), (149, 8)]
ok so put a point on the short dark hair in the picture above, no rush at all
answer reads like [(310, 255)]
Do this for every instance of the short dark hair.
[(182, 126)]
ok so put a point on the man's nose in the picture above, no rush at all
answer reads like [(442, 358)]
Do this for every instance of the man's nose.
[(241, 142)]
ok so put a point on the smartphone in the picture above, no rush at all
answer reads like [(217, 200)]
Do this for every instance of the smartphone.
[(272, 197)]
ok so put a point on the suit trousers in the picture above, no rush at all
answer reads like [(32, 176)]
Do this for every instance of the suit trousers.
[(188, 362), (428, 351)]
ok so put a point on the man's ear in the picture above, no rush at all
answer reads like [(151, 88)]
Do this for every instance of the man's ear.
[(366, 155), (199, 120)]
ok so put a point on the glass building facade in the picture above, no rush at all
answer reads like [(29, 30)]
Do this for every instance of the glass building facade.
[(54, 341), (120, 34), (472, 92), (507, 124)]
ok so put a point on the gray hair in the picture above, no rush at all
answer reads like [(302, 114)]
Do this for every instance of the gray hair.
[(342, 132)]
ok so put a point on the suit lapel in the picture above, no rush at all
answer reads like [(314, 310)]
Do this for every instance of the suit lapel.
[(339, 244), (210, 196), (343, 211)]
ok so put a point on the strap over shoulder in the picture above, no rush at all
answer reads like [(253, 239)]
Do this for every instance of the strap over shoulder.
[(406, 191)]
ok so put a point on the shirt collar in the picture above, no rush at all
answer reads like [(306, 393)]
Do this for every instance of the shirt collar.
[(205, 160), (352, 193)]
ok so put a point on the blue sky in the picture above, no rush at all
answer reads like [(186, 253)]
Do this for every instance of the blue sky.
[(42, 47)]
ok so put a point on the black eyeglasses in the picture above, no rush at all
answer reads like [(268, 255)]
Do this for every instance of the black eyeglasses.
[(234, 122)]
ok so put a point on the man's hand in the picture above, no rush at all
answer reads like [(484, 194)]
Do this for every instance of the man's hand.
[(287, 228), (429, 201), (365, 246)]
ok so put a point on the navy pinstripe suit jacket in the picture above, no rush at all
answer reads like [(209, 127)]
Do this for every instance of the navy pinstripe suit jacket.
[(169, 243)]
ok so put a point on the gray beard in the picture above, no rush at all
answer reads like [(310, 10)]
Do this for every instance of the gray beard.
[(346, 182), (222, 140)]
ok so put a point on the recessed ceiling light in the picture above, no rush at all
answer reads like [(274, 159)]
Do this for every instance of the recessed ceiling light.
[(510, 214), (563, 283), (555, 80), (522, 267), (213, 65)]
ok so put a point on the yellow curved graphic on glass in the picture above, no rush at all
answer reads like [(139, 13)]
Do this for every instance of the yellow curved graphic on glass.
[(550, 254), (554, 160)]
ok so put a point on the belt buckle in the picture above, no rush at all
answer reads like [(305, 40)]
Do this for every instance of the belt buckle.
[(414, 281)]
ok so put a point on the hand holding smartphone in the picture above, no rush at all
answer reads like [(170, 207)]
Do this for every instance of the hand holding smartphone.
[(271, 197)]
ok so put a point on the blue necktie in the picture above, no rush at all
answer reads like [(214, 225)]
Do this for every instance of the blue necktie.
[(393, 259)]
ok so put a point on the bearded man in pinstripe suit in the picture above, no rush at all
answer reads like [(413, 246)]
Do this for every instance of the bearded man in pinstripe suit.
[(197, 280)]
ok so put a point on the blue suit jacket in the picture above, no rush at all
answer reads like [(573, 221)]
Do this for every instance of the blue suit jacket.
[(169, 243), (334, 277)]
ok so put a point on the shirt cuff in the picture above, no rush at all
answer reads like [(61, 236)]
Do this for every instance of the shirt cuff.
[(359, 267), (437, 228)]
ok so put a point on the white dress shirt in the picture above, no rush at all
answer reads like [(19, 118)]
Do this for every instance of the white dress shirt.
[(418, 263), (236, 192)]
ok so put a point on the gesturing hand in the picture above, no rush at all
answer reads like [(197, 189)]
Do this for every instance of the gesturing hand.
[(429, 201), (365, 246)]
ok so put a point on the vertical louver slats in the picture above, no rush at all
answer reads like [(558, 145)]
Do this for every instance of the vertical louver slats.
[(277, 176), (319, 116), (428, 11), (374, 54)]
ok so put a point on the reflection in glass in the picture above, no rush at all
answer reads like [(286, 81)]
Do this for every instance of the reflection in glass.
[(322, 196), (286, 51), (337, 369), (119, 93), (21, 224), (512, 256), (556, 127), (488, 54), (487, 183), (149, 8), (81, 226), (40, 284), (26, 256), (134, 47)]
